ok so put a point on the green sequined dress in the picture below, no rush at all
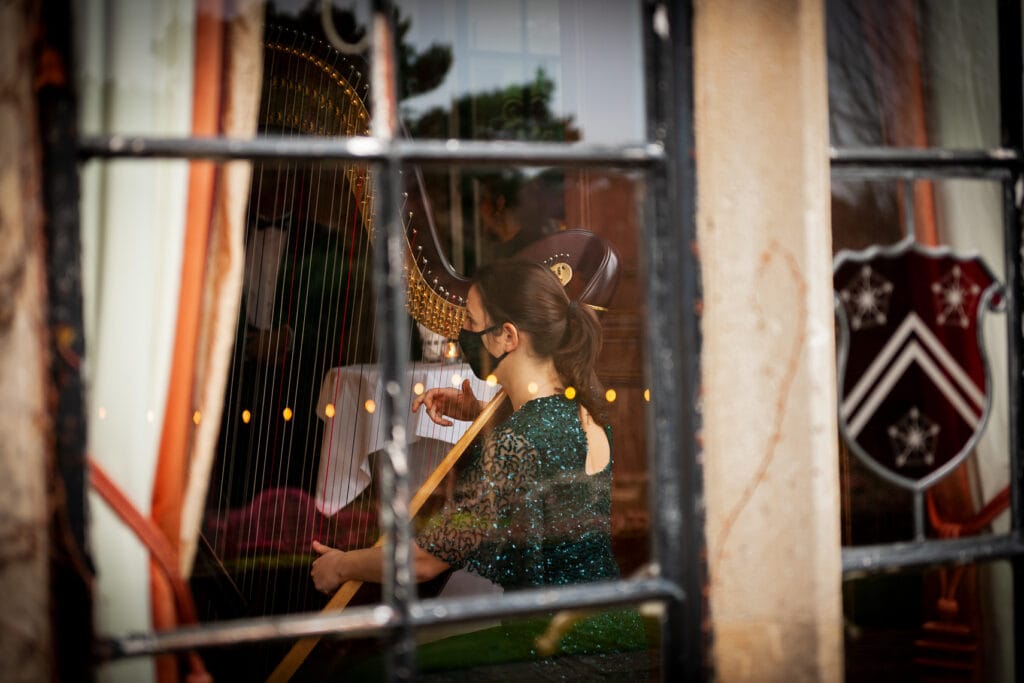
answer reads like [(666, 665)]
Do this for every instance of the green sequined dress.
[(525, 513)]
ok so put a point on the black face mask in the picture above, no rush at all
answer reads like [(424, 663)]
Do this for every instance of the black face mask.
[(479, 358)]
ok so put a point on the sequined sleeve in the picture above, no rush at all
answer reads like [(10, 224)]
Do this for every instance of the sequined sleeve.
[(489, 526)]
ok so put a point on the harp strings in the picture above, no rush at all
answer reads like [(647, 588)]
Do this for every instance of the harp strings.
[(275, 444), (232, 534), (354, 310), (288, 437), (307, 251), (308, 323), (307, 308)]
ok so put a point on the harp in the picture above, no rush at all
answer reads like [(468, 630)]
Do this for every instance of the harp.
[(305, 346)]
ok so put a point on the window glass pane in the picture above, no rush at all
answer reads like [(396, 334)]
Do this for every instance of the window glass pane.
[(913, 73), (299, 456), (518, 650), (297, 449), (140, 82), (521, 69), (965, 216), (954, 623), (527, 70)]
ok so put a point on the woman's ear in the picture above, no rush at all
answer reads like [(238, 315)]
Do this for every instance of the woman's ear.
[(510, 337)]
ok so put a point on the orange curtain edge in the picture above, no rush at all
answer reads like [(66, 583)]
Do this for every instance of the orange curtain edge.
[(172, 460)]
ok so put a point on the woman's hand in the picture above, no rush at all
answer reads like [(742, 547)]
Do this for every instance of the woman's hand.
[(460, 404), (335, 567), (327, 569)]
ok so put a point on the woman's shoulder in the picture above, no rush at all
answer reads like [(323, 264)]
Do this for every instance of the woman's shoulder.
[(534, 420), (545, 415)]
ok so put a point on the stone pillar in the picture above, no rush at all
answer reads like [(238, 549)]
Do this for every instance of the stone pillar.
[(771, 473), (24, 425)]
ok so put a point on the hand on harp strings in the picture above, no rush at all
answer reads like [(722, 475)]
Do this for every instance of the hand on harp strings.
[(372, 557), (335, 567), (460, 404)]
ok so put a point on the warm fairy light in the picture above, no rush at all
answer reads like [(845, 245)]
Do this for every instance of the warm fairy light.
[(246, 416), (418, 388), (287, 414), (647, 395), (102, 413), (570, 393), (456, 380), (150, 416), (370, 406), (197, 417), (451, 350), (329, 410), (492, 380), (610, 395), (532, 388)]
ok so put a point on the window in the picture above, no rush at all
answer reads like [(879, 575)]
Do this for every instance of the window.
[(925, 115), (519, 122)]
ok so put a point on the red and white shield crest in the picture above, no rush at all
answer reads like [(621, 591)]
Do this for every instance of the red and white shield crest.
[(914, 386)]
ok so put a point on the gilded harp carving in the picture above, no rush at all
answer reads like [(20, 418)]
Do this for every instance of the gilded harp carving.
[(305, 347)]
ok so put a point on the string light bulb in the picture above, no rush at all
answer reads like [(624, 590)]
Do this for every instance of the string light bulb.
[(287, 414), (246, 416), (329, 410), (418, 388), (197, 417), (532, 388), (492, 380), (570, 393), (370, 405), (610, 395)]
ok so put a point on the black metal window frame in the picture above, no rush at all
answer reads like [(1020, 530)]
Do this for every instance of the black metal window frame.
[(1005, 165), (671, 363)]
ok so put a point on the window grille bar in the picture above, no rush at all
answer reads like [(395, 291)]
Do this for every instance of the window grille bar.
[(911, 174), (928, 161), (861, 561), (672, 339), (399, 590), (368, 149), (354, 622)]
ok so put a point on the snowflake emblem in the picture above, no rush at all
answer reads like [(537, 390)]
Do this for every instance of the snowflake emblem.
[(913, 438), (867, 299), (954, 295)]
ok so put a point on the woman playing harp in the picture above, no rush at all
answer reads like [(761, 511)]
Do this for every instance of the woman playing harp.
[(533, 505)]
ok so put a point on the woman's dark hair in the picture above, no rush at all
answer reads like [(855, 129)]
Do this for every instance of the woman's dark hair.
[(528, 294)]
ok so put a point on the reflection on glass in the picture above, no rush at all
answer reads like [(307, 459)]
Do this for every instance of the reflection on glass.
[(952, 623), (913, 73), (528, 70)]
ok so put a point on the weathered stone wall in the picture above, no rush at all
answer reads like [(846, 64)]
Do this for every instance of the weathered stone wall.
[(24, 603), (771, 473)]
